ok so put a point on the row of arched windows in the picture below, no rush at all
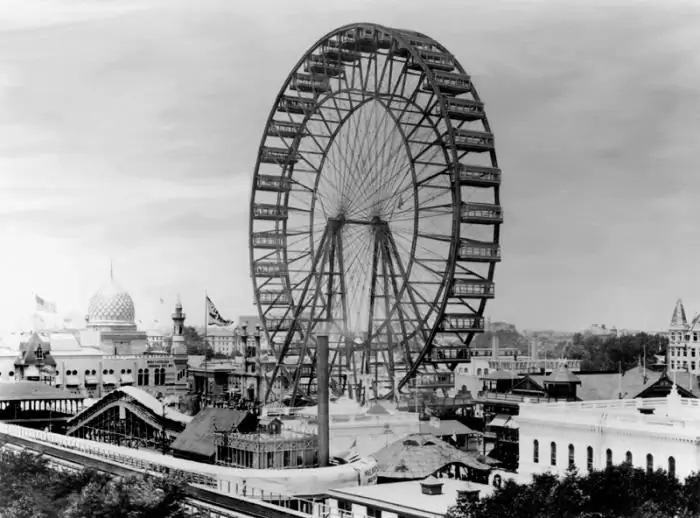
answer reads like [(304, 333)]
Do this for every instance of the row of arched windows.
[(589, 457), (143, 377)]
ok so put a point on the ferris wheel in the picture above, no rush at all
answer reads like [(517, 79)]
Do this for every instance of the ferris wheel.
[(375, 214)]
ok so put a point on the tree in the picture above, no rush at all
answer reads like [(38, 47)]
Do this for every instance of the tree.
[(618, 491), (31, 488)]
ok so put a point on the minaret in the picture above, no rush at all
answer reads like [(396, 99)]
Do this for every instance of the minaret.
[(178, 345)]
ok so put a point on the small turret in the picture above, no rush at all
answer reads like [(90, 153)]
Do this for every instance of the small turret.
[(179, 347)]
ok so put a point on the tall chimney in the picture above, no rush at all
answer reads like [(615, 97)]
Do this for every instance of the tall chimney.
[(323, 400), (495, 345)]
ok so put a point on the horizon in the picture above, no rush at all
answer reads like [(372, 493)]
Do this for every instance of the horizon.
[(130, 134)]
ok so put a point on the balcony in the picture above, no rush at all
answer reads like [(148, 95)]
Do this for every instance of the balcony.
[(479, 252), (274, 155), (473, 289), (324, 66), (286, 129), (269, 269), (273, 298), (268, 240), (310, 83), (269, 212), (433, 380), (449, 83), (266, 182), (481, 214), (465, 109), (471, 141), (433, 59), (476, 176), (296, 105), (462, 323), (450, 354)]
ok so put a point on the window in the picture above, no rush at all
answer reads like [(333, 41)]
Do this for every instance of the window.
[(344, 505), (589, 458), (162, 376), (672, 467), (553, 459), (535, 451), (608, 458), (628, 457), (39, 353), (373, 512), (139, 377), (650, 463), (270, 459), (145, 377), (572, 451), (156, 377)]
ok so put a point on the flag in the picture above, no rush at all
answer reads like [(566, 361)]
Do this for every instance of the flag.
[(354, 444), (454, 436), (214, 318), (44, 305), (162, 301), (435, 422)]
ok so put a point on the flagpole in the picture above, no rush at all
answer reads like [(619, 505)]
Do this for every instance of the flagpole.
[(206, 324)]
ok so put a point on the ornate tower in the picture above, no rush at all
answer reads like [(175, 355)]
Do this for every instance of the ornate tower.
[(178, 346)]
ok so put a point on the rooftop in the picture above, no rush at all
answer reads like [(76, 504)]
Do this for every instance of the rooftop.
[(407, 498), (33, 391)]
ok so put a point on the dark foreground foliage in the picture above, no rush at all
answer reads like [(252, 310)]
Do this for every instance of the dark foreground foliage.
[(619, 491), (30, 488)]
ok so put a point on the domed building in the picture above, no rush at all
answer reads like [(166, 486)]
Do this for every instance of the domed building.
[(111, 322)]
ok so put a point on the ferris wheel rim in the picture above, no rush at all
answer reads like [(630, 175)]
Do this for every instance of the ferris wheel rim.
[(443, 292)]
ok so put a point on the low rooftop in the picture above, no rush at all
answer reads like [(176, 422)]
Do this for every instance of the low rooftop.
[(33, 391)]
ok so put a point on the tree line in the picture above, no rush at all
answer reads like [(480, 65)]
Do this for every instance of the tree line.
[(618, 491), (612, 353), (33, 489)]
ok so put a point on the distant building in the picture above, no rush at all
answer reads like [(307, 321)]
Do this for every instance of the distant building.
[(222, 340), (600, 330), (684, 342)]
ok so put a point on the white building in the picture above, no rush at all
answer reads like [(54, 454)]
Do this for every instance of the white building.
[(648, 433), (222, 340), (684, 341)]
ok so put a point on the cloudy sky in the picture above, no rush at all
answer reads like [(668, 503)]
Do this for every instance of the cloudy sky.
[(129, 130)]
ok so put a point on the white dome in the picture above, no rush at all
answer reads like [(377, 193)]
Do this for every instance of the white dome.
[(111, 305)]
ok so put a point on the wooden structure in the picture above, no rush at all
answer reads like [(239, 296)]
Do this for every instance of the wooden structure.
[(270, 447), (35, 404)]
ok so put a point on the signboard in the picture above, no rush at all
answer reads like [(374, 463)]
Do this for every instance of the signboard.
[(159, 363)]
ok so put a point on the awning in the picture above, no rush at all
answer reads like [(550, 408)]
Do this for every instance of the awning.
[(109, 379), (72, 381), (90, 380), (127, 379), (512, 423), (500, 420)]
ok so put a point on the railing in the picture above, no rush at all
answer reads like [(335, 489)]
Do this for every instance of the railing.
[(141, 461)]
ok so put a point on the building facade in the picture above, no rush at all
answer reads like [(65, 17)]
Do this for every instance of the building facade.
[(110, 352), (652, 433), (683, 341)]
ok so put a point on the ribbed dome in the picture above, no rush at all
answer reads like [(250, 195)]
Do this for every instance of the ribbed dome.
[(111, 305)]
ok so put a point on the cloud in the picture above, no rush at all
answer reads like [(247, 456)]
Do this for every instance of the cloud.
[(131, 130)]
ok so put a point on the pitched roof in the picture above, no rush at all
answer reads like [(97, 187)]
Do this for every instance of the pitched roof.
[(662, 387), (527, 385), (561, 375), (32, 391), (198, 437), (418, 456), (609, 385), (678, 319)]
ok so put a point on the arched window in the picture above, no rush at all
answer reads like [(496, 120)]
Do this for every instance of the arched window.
[(628, 457), (535, 451), (139, 377), (589, 458), (478, 371), (39, 353), (553, 459), (156, 376), (650, 463), (162, 376), (572, 452), (486, 371), (672, 467), (145, 377), (608, 458)]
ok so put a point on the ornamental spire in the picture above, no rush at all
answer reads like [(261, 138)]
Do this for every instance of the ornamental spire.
[(678, 319)]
